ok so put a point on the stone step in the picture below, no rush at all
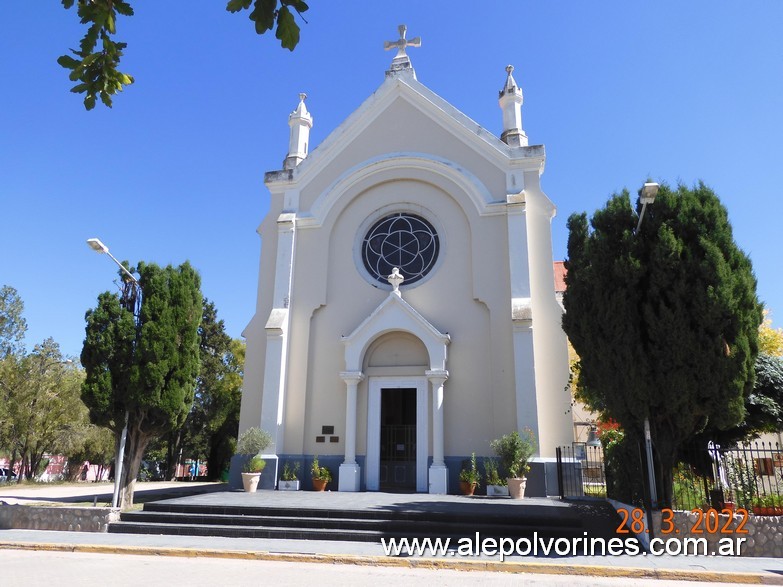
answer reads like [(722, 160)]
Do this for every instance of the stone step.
[(362, 525), (368, 518), (299, 533), (434, 525), (533, 518)]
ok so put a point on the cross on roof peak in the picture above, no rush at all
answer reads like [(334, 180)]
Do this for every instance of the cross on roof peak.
[(401, 60), (402, 43)]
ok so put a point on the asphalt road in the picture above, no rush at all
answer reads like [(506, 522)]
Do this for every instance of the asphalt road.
[(62, 569)]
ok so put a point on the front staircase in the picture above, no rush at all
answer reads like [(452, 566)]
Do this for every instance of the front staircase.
[(362, 523)]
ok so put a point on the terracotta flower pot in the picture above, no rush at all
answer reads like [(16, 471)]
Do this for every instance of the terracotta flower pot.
[(250, 481), (516, 487), (762, 510), (467, 488), (319, 484)]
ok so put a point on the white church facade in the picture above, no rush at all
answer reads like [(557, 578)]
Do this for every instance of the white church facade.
[(406, 312)]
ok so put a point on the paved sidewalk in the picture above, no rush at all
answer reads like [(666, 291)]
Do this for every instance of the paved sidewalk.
[(731, 570), (11, 493), (725, 569)]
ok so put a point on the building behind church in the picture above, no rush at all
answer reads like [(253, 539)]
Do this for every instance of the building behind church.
[(406, 312)]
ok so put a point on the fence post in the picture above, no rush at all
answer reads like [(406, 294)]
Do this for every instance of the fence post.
[(561, 488)]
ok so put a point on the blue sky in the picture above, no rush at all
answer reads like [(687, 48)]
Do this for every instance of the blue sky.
[(617, 91)]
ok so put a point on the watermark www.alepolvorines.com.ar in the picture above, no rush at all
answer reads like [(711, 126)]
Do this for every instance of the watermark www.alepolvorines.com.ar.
[(477, 546)]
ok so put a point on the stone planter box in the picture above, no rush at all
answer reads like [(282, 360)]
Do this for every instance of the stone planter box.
[(497, 490), (288, 485)]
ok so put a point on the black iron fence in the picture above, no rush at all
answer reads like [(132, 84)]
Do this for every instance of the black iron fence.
[(748, 475), (580, 470)]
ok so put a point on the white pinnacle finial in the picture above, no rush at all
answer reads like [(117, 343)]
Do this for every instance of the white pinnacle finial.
[(511, 84), (300, 121), (395, 279), (301, 109), (511, 104)]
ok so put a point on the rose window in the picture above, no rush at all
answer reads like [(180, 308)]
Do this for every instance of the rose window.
[(401, 240)]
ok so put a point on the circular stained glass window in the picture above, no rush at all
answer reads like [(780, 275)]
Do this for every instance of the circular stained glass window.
[(401, 240)]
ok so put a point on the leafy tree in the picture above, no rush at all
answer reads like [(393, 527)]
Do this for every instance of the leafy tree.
[(224, 424), (92, 443), (770, 339), (94, 65), (665, 321), (216, 408), (12, 330), (144, 367), (763, 406), (212, 425), (40, 392), (623, 467), (12, 324)]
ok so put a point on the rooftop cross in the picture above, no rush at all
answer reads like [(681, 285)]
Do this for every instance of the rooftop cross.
[(402, 43)]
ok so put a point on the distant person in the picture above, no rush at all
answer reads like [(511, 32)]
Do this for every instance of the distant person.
[(193, 471)]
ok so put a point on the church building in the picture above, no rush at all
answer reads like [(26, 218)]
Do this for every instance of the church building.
[(406, 312)]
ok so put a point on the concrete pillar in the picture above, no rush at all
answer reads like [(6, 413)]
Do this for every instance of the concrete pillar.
[(439, 474), (350, 472)]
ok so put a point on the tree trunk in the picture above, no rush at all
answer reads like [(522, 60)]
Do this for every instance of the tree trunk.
[(135, 445), (172, 454), (35, 463), (667, 455), (219, 454), (11, 466), (24, 469)]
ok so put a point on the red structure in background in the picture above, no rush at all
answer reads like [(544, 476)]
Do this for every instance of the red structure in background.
[(57, 469)]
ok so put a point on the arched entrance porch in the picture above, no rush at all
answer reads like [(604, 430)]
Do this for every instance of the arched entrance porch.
[(394, 315)]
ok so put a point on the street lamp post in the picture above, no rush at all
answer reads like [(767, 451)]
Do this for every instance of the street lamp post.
[(649, 191), (97, 246)]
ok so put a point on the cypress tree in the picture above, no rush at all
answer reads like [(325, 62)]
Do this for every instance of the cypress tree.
[(145, 365), (665, 321)]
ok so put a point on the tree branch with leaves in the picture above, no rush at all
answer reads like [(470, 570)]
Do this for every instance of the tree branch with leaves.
[(95, 65)]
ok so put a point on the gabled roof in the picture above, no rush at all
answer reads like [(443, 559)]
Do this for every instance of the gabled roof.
[(404, 86), (395, 314)]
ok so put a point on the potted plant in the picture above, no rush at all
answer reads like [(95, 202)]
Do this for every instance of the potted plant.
[(289, 480), (321, 475), (758, 507), (775, 504), (496, 486), (514, 451), (469, 477), (727, 500), (251, 473), (250, 444), (768, 505)]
